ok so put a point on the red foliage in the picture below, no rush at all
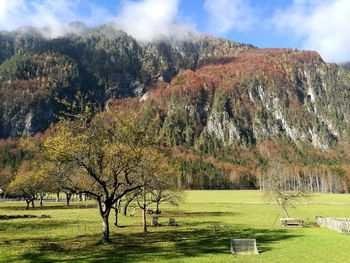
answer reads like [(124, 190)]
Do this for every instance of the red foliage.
[(228, 73)]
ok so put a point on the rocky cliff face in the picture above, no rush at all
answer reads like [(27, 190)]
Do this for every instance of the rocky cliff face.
[(346, 66), (257, 115), (256, 95)]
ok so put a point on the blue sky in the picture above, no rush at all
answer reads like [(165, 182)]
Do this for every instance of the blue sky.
[(320, 25), (259, 34)]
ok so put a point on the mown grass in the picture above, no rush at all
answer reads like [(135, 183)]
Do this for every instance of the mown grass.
[(206, 222)]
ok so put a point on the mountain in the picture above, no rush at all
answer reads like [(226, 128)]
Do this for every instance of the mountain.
[(346, 65), (260, 113), (255, 95), (103, 63), (233, 115)]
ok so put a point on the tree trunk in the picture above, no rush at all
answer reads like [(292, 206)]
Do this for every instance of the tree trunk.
[(285, 212), (33, 203), (116, 209), (125, 208), (120, 206), (80, 197), (57, 197), (105, 228), (68, 196), (260, 182), (157, 207), (105, 223), (116, 216), (28, 202), (126, 205), (144, 219), (41, 199), (283, 207)]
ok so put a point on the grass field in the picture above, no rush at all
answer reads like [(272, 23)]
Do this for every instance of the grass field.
[(206, 222)]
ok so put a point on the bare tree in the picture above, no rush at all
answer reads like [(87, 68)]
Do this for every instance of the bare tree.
[(156, 177), (171, 197), (275, 187)]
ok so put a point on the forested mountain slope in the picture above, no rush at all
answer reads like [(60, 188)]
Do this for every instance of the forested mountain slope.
[(234, 115), (258, 94), (260, 113), (103, 63)]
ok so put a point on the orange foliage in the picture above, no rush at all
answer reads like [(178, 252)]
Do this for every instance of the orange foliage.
[(233, 169), (228, 73)]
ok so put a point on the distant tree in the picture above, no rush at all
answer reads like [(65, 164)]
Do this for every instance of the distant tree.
[(275, 188), (29, 183), (6, 176), (165, 188), (156, 175), (171, 197), (287, 199)]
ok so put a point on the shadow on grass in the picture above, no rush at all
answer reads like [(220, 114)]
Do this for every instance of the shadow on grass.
[(34, 224), (158, 245), (48, 206)]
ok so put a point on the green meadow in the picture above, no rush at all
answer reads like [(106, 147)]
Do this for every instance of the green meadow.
[(206, 221)]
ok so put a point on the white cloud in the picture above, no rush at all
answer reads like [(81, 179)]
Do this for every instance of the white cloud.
[(9, 10), (226, 15), (54, 15), (145, 20), (151, 19), (323, 23)]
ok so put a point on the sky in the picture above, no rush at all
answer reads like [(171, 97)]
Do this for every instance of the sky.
[(320, 25)]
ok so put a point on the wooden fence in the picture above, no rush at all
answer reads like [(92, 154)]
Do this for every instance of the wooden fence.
[(341, 225)]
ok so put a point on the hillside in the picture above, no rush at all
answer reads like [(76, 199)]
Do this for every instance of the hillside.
[(263, 111), (346, 66), (231, 113), (103, 63), (256, 95)]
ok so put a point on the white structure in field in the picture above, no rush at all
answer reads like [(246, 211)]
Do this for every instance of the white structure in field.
[(341, 225), (155, 221), (244, 247)]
